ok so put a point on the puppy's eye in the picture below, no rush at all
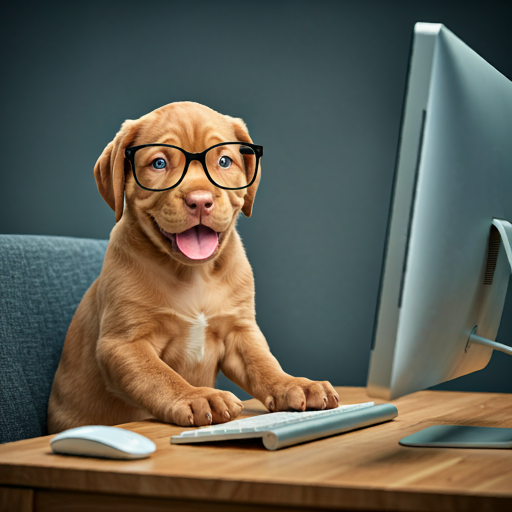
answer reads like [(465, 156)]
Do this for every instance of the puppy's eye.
[(225, 162), (159, 164)]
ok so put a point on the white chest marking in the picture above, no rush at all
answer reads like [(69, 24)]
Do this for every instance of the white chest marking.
[(196, 339)]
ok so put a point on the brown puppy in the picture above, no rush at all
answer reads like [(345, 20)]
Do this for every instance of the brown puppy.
[(174, 302)]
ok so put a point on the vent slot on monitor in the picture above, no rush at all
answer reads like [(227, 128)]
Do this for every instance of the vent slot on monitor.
[(492, 254)]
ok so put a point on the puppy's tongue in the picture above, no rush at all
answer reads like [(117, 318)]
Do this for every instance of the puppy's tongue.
[(197, 243)]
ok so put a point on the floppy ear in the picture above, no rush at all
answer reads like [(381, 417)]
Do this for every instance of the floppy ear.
[(242, 135), (109, 170)]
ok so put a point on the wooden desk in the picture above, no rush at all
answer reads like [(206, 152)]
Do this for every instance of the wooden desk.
[(362, 470)]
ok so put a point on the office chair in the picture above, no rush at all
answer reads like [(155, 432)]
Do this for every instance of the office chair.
[(42, 280)]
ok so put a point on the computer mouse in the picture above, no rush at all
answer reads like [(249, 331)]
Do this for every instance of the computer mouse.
[(102, 441)]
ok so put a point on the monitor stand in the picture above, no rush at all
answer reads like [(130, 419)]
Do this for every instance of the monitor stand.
[(497, 276)]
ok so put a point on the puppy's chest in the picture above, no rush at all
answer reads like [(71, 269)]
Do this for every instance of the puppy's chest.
[(200, 323), (196, 340)]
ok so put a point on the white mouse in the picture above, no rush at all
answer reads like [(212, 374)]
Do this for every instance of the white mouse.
[(101, 441)]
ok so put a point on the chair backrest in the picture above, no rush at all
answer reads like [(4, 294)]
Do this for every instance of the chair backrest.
[(42, 281)]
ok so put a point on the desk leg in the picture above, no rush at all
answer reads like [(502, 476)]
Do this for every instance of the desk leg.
[(16, 499)]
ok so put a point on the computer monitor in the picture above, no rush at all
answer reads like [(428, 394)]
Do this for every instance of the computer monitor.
[(448, 256)]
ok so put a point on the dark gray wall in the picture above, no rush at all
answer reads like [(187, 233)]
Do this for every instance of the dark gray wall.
[(320, 85)]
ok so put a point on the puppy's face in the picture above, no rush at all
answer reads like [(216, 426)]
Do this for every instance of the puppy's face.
[(191, 221)]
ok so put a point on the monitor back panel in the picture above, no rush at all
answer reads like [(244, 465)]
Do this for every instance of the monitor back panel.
[(453, 175)]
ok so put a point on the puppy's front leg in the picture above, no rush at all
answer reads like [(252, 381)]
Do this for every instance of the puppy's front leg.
[(133, 370), (249, 363)]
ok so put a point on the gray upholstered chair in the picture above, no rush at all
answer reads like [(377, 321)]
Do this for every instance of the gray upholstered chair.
[(42, 280)]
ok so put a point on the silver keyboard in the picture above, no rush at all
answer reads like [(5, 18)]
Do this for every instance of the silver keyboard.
[(280, 429)]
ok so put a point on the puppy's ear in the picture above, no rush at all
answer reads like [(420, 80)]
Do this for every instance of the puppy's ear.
[(111, 166), (242, 135)]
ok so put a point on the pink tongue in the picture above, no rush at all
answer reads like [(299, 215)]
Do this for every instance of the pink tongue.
[(198, 242)]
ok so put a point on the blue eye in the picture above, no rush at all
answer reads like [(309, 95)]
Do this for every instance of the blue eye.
[(225, 162), (158, 163)]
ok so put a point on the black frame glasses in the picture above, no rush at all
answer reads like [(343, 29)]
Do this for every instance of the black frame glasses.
[(190, 157)]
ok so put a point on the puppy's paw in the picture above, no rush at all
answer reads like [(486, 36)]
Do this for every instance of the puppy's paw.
[(299, 394), (206, 406)]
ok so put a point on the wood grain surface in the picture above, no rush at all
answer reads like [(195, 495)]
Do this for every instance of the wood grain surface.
[(360, 470)]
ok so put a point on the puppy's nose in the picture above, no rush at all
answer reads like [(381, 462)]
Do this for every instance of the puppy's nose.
[(199, 201)]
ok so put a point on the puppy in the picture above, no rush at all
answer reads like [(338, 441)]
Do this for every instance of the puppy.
[(174, 302)]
